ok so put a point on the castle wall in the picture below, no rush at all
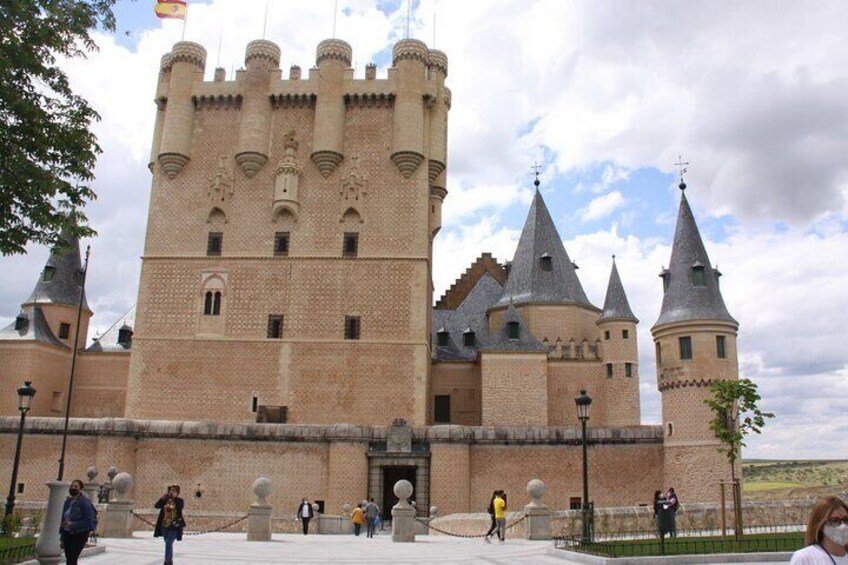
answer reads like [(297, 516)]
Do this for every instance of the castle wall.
[(460, 381), (100, 385), (48, 368), (559, 321), (565, 380), (514, 389)]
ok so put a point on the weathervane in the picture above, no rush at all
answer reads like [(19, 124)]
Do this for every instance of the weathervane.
[(536, 167), (683, 168)]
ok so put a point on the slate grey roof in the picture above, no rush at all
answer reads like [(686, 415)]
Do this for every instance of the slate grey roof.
[(37, 329), (682, 300), (64, 287), (471, 314), (616, 306), (525, 342), (108, 342), (527, 281)]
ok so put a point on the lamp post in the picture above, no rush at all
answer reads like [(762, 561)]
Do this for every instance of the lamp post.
[(583, 403), (25, 396)]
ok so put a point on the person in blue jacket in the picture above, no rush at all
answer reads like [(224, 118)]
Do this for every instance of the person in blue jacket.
[(77, 522)]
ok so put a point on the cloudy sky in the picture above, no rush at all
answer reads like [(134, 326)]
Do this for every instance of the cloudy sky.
[(605, 96)]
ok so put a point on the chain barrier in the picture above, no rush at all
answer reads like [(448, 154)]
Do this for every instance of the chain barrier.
[(219, 529), (468, 536)]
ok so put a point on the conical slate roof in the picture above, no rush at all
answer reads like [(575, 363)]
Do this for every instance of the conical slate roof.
[(63, 286), (534, 279), (616, 306), (471, 315), (683, 299), (35, 328)]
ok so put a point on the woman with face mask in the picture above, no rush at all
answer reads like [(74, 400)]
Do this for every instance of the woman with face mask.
[(827, 535), (77, 522)]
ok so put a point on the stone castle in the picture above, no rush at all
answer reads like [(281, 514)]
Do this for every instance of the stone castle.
[(285, 324)]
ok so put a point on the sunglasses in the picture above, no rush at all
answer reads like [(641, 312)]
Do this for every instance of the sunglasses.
[(833, 521)]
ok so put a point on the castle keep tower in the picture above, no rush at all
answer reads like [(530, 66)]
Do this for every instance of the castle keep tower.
[(695, 339), (287, 261)]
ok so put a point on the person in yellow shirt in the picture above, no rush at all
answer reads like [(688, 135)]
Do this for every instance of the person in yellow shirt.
[(358, 518), (500, 514)]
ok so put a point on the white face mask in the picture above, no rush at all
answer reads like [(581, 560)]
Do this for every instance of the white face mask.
[(838, 534)]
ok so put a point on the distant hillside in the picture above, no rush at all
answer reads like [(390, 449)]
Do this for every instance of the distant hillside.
[(774, 479)]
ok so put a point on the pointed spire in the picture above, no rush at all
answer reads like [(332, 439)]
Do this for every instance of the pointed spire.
[(616, 306), (541, 270), (59, 282), (691, 285)]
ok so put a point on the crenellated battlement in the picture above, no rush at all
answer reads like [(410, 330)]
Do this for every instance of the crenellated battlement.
[(411, 50), (334, 50), (438, 60), (189, 52), (262, 49)]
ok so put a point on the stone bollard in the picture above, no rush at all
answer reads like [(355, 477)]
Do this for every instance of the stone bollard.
[(538, 515), (91, 488), (111, 472), (117, 519), (47, 548), (403, 513), (259, 515)]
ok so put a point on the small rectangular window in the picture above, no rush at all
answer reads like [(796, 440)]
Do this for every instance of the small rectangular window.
[(351, 244), (574, 503), (275, 326), (721, 352), (48, 273), (352, 327), (513, 331), (607, 335), (659, 353), (20, 488), (628, 370), (214, 243), (442, 409), (685, 347), (442, 339), (609, 370), (64, 330), (281, 243), (468, 339), (625, 334), (254, 404), (56, 402), (698, 278)]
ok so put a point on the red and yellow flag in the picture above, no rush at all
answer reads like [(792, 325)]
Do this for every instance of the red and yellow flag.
[(171, 9)]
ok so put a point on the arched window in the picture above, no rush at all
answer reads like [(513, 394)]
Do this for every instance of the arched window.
[(216, 304), (207, 304)]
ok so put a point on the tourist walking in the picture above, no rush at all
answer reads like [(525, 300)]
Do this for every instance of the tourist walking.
[(673, 505), (372, 513), (491, 510), (170, 522), (78, 517), (827, 535), (358, 518), (304, 513), (500, 514)]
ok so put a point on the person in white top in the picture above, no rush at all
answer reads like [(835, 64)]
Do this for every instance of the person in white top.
[(827, 535), (304, 512)]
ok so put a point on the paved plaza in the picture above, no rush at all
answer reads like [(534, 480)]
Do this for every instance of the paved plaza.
[(207, 549)]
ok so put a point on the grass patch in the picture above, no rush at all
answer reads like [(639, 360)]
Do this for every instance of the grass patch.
[(11, 543), (754, 487), (790, 541)]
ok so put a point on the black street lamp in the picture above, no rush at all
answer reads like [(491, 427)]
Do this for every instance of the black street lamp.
[(583, 403), (25, 396)]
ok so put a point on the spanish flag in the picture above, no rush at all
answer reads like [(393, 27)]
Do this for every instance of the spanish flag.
[(171, 9)]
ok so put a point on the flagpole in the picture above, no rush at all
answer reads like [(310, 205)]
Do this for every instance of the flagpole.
[(335, 15), (265, 23), (220, 41), (185, 19)]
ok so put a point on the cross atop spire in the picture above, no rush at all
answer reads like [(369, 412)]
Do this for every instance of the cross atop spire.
[(682, 165), (536, 168)]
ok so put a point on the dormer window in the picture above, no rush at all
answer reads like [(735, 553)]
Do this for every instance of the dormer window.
[(665, 275), (512, 330), (21, 322), (442, 337), (698, 278), (468, 338), (717, 274), (546, 263), (48, 273)]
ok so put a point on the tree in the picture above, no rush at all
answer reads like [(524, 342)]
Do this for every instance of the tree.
[(736, 415), (48, 152)]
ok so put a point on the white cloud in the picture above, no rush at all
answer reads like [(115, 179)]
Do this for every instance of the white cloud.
[(602, 206)]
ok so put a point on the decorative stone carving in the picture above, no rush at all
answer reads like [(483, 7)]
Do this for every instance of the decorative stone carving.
[(353, 190), (220, 187), (399, 437), (287, 179)]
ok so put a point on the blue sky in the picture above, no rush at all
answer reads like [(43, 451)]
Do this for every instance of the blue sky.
[(605, 96)]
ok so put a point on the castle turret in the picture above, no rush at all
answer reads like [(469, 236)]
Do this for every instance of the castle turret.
[(260, 59), (333, 59), (695, 340), (410, 59), (620, 354), (438, 69), (187, 62), (161, 102)]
